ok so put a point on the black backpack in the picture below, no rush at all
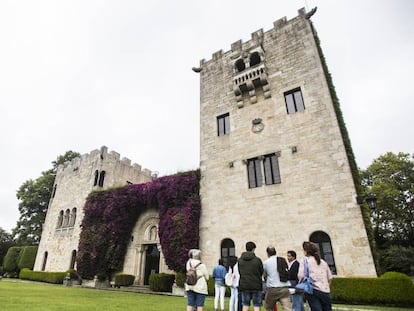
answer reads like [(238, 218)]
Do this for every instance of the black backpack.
[(282, 268)]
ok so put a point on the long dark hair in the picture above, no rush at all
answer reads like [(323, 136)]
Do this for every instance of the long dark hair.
[(311, 250)]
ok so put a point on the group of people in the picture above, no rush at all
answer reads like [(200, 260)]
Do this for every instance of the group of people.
[(250, 278)]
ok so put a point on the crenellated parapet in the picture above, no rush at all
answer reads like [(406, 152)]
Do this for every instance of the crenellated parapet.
[(246, 63), (101, 158), (257, 38)]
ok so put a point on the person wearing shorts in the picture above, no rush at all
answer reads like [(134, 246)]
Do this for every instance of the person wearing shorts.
[(196, 294), (250, 283)]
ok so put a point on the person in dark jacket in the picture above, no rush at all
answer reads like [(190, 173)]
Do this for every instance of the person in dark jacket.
[(293, 264), (251, 282)]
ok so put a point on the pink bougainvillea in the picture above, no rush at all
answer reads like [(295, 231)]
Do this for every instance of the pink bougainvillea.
[(111, 215)]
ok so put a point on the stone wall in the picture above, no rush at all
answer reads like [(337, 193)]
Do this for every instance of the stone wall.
[(73, 183), (316, 192)]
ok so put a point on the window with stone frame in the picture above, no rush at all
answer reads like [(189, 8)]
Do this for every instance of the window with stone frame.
[(294, 101), (72, 217), (223, 124), (270, 164), (254, 173), (101, 178), (271, 169), (95, 181), (255, 59)]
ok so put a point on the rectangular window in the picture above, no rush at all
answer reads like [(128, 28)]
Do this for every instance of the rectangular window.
[(271, 169), (254, 173), (294, 101), (223, 124)]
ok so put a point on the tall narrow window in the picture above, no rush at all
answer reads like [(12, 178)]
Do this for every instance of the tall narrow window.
[(240, 65), (254, 173), (294, 101), (44, 261), (73, 260), (271, 169), (54, 190), (60, 220), (325, 248), (95, 182), (101, 179), (72, 217), (66, 218), (223, 124), (254, 59)]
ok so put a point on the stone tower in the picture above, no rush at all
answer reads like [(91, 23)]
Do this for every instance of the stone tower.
[(274, 168), (74, 181)]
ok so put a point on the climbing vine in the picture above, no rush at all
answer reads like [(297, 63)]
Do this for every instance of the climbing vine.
[(110, 217)]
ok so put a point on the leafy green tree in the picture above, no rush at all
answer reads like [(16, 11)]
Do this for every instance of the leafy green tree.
[(34, 196), (398, 258), (6, 241), (390, 178)]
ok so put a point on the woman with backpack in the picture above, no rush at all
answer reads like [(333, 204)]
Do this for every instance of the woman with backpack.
[(197, 290)]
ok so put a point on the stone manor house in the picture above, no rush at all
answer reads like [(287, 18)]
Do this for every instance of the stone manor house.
[(276, 165)]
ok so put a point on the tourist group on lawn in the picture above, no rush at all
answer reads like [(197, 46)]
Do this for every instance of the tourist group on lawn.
[(251, 281)]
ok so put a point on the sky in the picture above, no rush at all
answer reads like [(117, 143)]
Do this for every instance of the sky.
[(81, 74)]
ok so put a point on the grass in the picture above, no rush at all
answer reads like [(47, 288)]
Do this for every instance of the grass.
[(23, 295)]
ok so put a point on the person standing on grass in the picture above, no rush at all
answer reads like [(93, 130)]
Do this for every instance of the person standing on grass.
[(219, 272), (250, 283), (293, 265), (196, 294), (234, 292), (321, 275), (276, 277)]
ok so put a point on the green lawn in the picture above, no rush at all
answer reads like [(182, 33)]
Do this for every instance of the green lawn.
[(21, 295)]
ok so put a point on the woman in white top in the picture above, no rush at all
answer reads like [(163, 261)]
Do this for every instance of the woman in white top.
[(234, 292), (196, 294), (321, 275)]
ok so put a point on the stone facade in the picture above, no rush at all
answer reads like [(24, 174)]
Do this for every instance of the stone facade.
[(74, 180), (246, 115), (273, 165)]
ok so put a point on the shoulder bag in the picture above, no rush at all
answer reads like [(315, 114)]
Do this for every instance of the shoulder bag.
[(306, 284)]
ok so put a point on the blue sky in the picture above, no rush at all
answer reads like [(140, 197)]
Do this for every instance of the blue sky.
[(77, 75)]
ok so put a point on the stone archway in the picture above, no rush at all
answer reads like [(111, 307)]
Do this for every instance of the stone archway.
[(144, 255)]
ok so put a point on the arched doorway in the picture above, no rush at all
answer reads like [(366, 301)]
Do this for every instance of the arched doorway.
[(152, 261), (228, 252), (323, 241)]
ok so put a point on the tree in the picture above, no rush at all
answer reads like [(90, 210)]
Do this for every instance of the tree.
[(390, 178), (34, 196), (6, 241)]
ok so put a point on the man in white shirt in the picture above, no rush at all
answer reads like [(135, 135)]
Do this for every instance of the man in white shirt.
[(276, 289)]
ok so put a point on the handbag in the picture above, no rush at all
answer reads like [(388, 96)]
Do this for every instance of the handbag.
[(228, 278), (306, 285)]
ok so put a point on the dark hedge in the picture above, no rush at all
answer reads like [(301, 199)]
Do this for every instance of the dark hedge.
[(391, 289), (111, 215), (27, 257)]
